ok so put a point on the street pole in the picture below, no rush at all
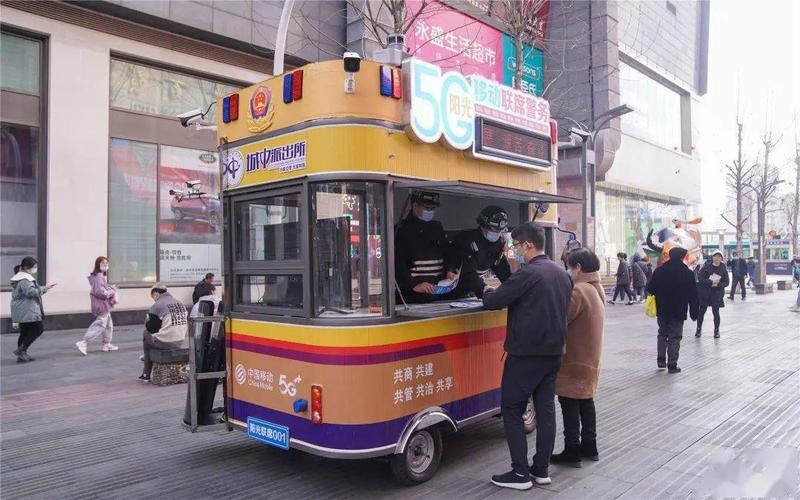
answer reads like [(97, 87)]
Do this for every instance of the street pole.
[(280, 38)]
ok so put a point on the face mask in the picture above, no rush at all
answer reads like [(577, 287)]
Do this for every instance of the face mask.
[(427, 215), (492, 236), (34, 270), (519, 255), (104, 268)]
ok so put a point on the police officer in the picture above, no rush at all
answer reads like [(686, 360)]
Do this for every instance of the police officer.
[(422, 253), (480, 250)]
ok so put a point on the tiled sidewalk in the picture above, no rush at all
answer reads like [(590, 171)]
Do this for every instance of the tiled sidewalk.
[(729, 425)]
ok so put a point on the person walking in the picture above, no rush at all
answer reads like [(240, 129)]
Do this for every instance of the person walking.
[(103, 298), (538, 299), (647, 267), (675, 290), (796, 306), (576, 384), (711, 282), (26, 306), (623, 287), (166, 326), (739, 272), (639, 278), (751, 270)]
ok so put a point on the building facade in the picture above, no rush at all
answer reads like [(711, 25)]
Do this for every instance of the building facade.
[(91, 146), (651, 56)]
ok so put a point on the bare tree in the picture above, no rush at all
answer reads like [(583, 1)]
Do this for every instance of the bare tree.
[(523, 21), (763, 186), (738, 176), (383, 18)]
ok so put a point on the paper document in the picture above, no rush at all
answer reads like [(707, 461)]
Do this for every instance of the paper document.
[(447, 285)]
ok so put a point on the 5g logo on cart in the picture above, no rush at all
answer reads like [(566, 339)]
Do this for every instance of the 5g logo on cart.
[(287, 387)]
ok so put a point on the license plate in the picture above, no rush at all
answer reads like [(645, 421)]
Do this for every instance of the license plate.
[(267, 432)]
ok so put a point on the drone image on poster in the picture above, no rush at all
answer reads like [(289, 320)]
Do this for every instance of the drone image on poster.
[(196, 205), (679, 236)]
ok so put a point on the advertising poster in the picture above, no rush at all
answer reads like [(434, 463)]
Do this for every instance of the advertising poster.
[(454, 41), (532, 68), (190, 215)]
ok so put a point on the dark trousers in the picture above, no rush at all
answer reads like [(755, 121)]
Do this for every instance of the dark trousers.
[(641, 292), (623, 290), (702, 313), (149, 343), (580, 420), (523, 377), (670, 333), (28, 333), (738, 280)]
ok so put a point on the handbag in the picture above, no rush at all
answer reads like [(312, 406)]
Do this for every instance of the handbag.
[(650, 306)]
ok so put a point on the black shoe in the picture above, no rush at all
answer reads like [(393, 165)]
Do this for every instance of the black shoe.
[(716, 334), (144, 378), (540, 475), (21, 358), (588, 450), (24, 354), (570, 456), (661, 363), (17, 351), (698, 333), (513, 480), (673, 369)]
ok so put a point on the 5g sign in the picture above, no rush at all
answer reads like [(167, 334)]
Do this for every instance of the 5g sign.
[(441, 105)]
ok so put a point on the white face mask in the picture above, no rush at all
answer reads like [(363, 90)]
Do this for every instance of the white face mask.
[(491, 236), (104, 268), (427, 215), (34, 270)]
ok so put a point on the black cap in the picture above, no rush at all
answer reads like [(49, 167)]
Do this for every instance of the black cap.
[(677, 253), (209, 275), (493, 218), (425, 198)]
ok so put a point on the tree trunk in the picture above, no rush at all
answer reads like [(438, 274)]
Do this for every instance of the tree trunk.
[(739, 192), (520, 60), (796, 215), (762, 215)]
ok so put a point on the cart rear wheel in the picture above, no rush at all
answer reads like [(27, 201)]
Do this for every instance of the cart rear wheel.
[(420, 460), (177, 214), (529, 417)]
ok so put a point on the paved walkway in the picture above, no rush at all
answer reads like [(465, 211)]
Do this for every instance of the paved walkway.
[(729, 425)]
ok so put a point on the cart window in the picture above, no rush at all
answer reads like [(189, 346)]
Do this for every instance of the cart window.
[(272, 290), (269, 229), (349, 249)]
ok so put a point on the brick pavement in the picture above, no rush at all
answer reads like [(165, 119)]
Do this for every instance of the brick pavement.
[(84, 427)]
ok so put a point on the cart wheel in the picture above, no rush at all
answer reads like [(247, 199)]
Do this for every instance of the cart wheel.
[(177, 214), (420, 460), (529, 417)]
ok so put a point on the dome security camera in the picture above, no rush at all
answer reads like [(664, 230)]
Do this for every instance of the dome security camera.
[(352, 62)]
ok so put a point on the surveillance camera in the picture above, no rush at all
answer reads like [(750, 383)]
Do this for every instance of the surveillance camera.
[(190, 117), (352, 62), (575, 138), (582, 134)]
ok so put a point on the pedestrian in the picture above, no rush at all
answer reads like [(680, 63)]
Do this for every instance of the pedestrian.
[(647, 266), (711, 282), (103, 298), (796, 306), (26, 306), (675, 289), (165, 328), (623, 287), (639, 278), (751, 270), (794, 266), (576, 384), (739, 272), (203, 288), (537, 297)]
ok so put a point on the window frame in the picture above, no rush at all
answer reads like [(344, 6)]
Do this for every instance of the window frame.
[(42, 168), (300, 267)]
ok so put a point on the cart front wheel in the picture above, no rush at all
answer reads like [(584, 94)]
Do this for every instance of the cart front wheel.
[(420, 460), (529, 417)]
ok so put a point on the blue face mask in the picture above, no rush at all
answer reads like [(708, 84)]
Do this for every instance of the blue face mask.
[(427, 215), (491, 236)]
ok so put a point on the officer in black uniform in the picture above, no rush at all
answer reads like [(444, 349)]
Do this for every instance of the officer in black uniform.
[(480, 250), (423, 255)]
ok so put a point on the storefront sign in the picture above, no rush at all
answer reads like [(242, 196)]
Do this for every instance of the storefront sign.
[(286, 158), (510, 106), (189, 262), (262, 109), (532, 68), (454, 41)]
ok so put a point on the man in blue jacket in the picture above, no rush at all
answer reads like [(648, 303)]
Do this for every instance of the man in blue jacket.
[(537, 297)]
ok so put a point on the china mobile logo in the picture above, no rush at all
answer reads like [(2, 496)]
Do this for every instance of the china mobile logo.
[(241, 374)]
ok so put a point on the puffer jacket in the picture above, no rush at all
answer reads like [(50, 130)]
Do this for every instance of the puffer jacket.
[(26, 299), (102, 294)]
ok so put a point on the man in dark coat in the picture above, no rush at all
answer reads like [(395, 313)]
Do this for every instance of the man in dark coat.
[(739, 271), (205, 287), (711, 282), (675, 289)]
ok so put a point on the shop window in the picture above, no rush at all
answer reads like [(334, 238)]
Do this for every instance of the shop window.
[(268, 229), (283, 291), (190, 215), (132, 210), (20, 63), (155, 91), (349, 254)]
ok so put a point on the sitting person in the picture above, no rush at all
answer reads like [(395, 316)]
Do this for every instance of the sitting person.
[(166, 326)]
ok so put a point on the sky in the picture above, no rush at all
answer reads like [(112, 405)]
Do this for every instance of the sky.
[(754, 51)]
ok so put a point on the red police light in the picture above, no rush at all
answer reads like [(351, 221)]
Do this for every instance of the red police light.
[(297, 85), (316, 404), (233, 112)]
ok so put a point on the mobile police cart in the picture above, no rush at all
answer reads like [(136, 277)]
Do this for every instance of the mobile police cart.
[(321, 355)]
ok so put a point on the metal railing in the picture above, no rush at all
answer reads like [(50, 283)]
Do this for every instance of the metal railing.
[(194, 376)]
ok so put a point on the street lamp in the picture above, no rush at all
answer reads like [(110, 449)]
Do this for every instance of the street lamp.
[(586, 136)]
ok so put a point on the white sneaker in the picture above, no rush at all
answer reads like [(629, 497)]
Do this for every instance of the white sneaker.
[(141, 358), (110, 347), (81, 345)]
